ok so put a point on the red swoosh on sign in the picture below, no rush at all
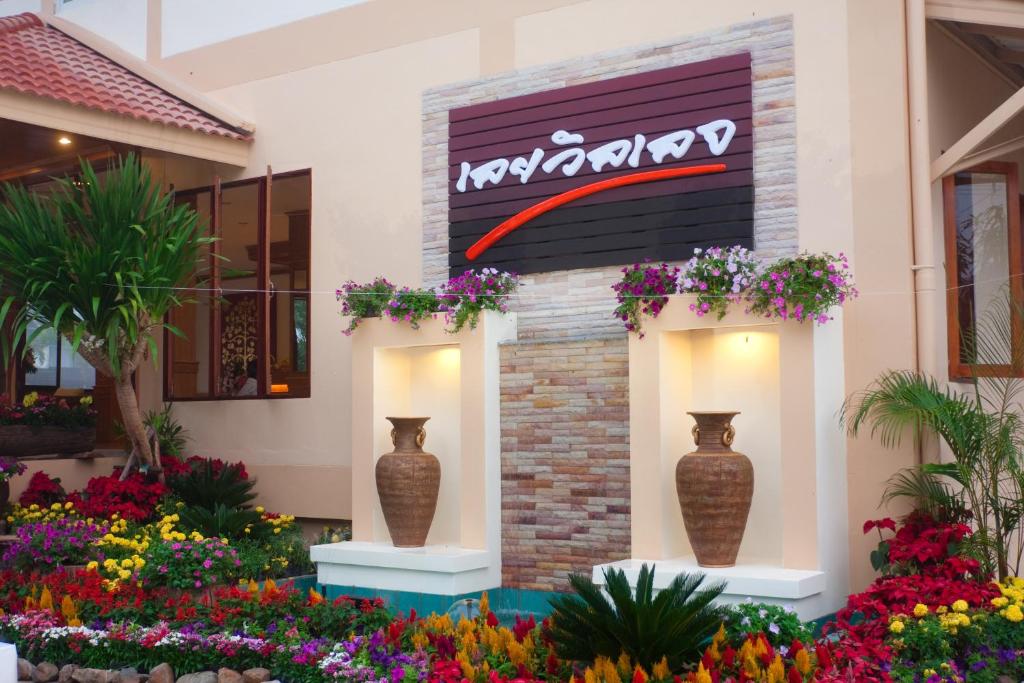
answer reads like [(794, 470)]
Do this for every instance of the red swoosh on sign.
[(540, 208)]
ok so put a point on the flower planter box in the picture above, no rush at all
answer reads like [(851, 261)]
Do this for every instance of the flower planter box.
[(18, 441)]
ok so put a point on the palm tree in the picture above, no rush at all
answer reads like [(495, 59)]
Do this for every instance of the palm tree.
[(980, 424), (102, 261)]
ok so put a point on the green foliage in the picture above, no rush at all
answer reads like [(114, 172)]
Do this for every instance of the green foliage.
[(222, 521), (676, 623), (412, 306), (209, 484), (102, 260), (983, 430), (171, 434), (780, 625)]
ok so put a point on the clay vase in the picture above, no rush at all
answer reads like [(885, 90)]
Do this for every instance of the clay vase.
[(714, 485), (408, 480)]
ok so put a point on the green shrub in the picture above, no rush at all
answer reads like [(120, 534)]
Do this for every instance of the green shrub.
[(676, 623)]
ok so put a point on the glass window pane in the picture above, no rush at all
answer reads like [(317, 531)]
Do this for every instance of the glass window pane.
[(983, 266), (240, 217), (41, 360), (289, 268), (75, 371), (190, 355)]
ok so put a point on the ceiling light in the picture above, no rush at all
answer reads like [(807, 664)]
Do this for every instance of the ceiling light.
[(64, 140)]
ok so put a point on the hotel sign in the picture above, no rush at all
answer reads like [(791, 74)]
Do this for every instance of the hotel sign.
[(649, 165)]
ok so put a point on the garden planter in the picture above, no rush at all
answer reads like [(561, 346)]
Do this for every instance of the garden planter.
[(714, 485), (18, 441), (408, 480)]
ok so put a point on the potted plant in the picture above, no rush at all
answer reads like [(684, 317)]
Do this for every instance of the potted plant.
[(42, 425)]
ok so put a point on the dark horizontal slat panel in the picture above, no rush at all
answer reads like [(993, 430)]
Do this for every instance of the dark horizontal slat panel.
[(574, 213), (743, 141), (653, 189), (731, 107), (621, 241), (531, 234), (667, 252), (711, 85), (549, 186), (729, 63)]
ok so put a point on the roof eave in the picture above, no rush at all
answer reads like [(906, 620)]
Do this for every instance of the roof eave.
[(144, 70), (70, 118)]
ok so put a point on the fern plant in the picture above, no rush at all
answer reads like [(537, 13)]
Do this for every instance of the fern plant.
[(677, 623)]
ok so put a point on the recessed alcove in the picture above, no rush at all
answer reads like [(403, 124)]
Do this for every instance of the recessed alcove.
[(717, 369), (398, 371), (785, 380)]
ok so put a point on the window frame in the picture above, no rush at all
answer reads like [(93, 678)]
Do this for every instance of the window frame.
[(22, 375), (264, 191), (959, 371)]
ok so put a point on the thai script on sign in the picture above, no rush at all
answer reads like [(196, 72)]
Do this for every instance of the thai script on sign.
[(717, 134)]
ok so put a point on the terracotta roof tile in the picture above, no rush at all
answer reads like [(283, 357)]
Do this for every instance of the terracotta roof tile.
[(37, 59)]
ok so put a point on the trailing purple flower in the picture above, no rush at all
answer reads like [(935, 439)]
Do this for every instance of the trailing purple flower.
[(644, 290), (803, 287)]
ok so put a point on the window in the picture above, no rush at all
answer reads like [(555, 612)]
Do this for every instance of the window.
[(984, 265), (52, 363), (251, 340)]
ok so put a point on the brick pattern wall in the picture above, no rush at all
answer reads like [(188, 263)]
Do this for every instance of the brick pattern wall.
[(565, 459), (576, 304)]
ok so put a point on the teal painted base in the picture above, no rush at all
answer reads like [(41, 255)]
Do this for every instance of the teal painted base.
[(505, 602)]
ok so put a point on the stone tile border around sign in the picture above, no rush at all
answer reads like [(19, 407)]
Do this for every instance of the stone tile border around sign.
[(578, 304)]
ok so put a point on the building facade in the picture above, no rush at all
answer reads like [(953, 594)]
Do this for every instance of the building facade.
[(364, 124)]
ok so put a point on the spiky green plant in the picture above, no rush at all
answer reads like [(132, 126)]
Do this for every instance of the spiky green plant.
[(224, 522), (981, 425), (677, 623), (206, 485), (102, 260)]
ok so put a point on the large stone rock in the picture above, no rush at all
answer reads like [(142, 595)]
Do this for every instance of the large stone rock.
[(93, 676), (226, 675), (201, 677), (45, 672), (256, 675), (65, 673), (25, 669), (128, 675), (162, 673)]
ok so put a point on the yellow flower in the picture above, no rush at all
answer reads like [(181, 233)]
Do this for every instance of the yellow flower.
[(802, 662), (259, 509), (896, 627), (1013, 613), (85, 401), (124, 574), (941, 609), (30, 399), (1000, 602), (702, 674), (660, 671), (960, 606), (920, 610), (92, 566)]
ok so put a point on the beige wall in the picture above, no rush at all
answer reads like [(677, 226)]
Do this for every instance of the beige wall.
[(341, 94)]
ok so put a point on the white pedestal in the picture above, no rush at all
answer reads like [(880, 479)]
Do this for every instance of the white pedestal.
[(798, 588), (437, 569), (8, 663)]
